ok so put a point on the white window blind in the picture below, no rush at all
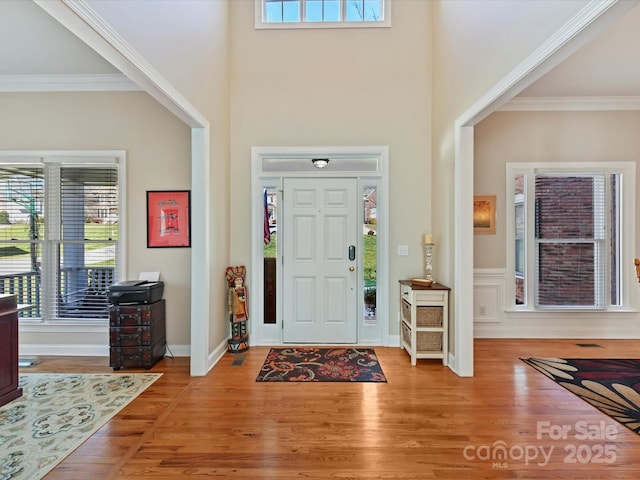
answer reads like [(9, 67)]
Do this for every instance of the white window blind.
[(61, 257), (570, 231), (570, 235), (22, 233)]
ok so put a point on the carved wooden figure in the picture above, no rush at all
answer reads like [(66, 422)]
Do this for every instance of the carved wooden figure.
[(238, 309)]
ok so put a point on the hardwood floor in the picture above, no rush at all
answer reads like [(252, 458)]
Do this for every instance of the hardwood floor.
[(425, 423)]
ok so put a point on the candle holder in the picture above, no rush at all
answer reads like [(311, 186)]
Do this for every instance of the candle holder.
[(428, 256)]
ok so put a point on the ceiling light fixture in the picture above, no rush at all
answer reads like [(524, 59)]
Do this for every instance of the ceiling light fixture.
[(320, 162)]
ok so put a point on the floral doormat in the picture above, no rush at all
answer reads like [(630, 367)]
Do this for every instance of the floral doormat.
[(56, 413), (310, 364), (610, 385)]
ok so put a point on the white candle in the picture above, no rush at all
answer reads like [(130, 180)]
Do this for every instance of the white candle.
[(428, 238)]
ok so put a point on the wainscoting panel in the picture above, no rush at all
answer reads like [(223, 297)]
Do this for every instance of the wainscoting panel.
[(488, 295), (494, 316)]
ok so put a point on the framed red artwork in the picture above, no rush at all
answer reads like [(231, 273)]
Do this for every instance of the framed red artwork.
[(168, 218)]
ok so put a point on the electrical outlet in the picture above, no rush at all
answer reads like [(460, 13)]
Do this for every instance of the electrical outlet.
[(482, 310), (403, 250)]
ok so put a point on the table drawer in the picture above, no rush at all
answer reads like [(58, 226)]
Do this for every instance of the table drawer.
[(406, 293), (144, 357), (130, 336), (135, 315), (427, 296)]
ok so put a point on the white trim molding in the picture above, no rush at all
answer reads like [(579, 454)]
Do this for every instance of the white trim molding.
[(570, 104), (80, 19), (489, 286), (97, 349), (269, 167), (112, 82), (77, 17), (583, 27)]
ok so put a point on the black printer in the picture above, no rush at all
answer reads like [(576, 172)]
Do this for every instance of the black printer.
[(135, 292)]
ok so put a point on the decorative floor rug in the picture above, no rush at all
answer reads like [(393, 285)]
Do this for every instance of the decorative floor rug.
[(310, 364), (610, 385), (56, 413)]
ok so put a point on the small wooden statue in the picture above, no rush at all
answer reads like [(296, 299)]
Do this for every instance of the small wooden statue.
[(238, 309)]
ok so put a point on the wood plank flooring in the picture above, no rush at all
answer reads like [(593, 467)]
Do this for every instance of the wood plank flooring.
[(425, 423)]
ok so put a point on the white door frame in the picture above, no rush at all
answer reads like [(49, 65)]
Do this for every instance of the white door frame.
[(369, 165), (583, 27)]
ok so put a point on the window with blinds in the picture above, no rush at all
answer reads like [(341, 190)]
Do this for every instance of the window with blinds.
[(59, 234), (570, 222)]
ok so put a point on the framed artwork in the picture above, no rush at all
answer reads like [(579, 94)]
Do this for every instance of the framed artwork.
[(484, 214), (168, 218)]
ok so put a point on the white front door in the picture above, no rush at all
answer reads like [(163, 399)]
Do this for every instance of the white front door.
[(320, 260)]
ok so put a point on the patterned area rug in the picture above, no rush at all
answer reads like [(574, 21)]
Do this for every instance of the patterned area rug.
[(56, 413), (610, 385), (310, 364)]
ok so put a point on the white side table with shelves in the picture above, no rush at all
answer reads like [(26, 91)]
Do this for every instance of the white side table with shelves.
[(424, 320)]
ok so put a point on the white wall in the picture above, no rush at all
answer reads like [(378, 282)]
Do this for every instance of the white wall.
[(544, 137), (158, 158), (609, 136), (476, 43), (187, 42), (337, 87)]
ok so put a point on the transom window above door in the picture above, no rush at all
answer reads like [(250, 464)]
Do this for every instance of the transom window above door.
[(322, 13)]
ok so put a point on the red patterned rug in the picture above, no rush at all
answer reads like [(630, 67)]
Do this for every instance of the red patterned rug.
[(610, 385), (311, 364)]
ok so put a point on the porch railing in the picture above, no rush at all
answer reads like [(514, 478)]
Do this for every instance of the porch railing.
[(26, 287), (82, 292)]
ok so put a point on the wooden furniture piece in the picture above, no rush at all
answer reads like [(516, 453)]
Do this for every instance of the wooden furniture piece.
[(9, 389), (137, 334), (424, 320)]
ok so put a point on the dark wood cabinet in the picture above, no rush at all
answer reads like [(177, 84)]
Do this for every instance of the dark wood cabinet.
[(137, 335), (9, 389)]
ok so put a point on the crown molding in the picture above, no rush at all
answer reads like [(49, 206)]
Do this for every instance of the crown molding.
[(580, 29), (570, 104), (81, 20), (67, 83)]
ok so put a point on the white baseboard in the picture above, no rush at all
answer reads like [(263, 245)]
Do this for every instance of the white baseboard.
[(216, 355), (76, 350), (71, 350), (179, 350), (557, 331)]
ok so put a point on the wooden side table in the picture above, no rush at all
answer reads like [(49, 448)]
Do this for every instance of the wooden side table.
[(424, 320)]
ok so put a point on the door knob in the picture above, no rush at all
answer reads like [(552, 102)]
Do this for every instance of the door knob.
[(352, 268)]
